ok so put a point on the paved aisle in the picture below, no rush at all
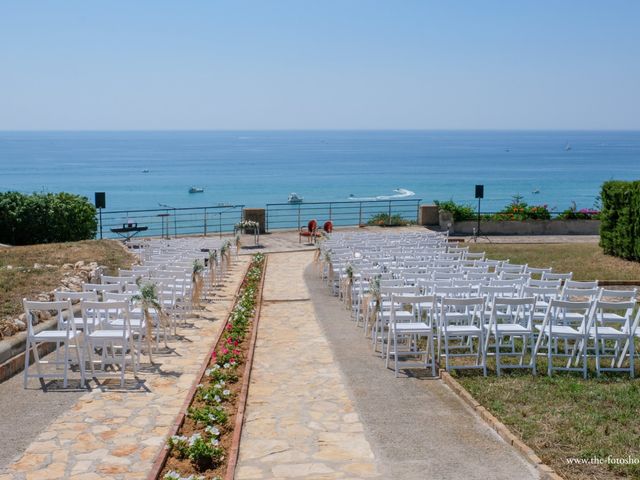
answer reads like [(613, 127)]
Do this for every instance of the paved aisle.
[(116, 434), (300, 419), (322, 406)]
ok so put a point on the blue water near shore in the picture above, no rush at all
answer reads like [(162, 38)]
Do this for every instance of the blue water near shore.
[(257, 167)]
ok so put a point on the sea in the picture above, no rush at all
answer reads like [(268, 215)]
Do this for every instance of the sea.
[(152, 169)]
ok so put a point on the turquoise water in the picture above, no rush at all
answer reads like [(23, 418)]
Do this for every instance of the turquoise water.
[(254, 168)]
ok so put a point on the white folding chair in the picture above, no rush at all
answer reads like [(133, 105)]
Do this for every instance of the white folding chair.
[(565, 321), (411, 332), (64, 336), (610, 341), (511, 318), (464, 333), (110, 338)]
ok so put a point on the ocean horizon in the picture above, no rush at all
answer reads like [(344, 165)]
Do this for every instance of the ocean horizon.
[(149, 169)]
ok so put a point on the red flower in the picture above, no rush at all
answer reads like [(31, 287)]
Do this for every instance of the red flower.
[(225, 351)]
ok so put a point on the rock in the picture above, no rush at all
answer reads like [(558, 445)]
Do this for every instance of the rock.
[(20, 325), (43, 297), (37, 266), (79, 264), (67, 266)]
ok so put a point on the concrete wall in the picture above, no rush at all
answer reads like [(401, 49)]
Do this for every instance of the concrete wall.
[(530, 227), (428, 215)]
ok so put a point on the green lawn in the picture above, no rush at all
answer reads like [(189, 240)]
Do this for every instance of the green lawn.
[(585, 260), (566, 416)]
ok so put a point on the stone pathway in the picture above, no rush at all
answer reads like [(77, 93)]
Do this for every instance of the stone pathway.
[(322, 406), (301, 421), (117, 434)]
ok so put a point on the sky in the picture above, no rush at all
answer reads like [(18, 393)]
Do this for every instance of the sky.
[(329, 64)]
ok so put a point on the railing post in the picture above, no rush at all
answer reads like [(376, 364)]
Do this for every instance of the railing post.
[(389, 212), (298, 217), (175, 223), (266, 218), (330, 211), (205, 222), (360, 215)]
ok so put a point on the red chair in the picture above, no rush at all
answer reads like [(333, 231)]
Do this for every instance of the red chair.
[(311, 231), (328, 226)]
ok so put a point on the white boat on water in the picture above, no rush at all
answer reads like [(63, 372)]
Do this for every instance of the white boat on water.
[(196, 190), (294, 198)]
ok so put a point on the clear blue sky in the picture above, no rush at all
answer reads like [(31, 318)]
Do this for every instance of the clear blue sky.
[(329, 64)]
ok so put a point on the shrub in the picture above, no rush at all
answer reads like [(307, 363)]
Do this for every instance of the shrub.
[(385, 220), (460, 211), (519, 210), (583, 214), (45, 218), (620, 227)]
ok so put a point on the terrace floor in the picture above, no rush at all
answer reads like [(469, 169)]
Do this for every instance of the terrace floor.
[(321, 404), (112, 432)]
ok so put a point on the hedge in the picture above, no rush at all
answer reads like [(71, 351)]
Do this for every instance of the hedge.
[(620, 227), (45, 218)]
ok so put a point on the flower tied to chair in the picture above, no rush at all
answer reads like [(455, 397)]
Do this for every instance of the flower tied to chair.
[(327, 260), (225, 256), (148, 299), (238, 245), (196, 281), (213, 265), (348, 285), (374, 290)]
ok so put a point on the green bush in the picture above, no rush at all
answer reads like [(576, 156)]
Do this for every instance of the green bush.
[(45, 218), (460, 211), (620, 227), (519, 210), (383, 219)]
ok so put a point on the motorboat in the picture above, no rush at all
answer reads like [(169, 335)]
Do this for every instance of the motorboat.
[(294, 198), (196, 190)]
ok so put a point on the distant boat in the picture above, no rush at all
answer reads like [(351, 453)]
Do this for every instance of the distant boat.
[(196, 190), (567, 147), (295, 198), (536, 191), (146, 170)]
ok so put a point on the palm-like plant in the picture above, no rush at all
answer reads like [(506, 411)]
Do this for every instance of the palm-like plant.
[(148, 300)]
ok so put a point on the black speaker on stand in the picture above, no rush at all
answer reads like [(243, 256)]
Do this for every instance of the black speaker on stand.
[(100, 202), (479, 196)]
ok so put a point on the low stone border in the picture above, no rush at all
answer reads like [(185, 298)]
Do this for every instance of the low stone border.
[(546, 472), (163, 455)]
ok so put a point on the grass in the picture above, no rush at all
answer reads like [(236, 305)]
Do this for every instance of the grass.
[(585, 260), (567, 417), (23, 280)]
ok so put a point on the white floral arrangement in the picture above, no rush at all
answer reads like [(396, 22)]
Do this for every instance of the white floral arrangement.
[(247, 225)]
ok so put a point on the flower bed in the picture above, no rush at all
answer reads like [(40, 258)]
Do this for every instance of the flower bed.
[(200, 449)]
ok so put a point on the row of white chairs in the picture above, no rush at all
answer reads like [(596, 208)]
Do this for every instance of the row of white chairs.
[(107, 320), (475, 307)]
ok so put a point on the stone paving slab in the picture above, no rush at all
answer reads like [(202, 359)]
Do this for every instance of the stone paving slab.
[(300, 420), (117, 434)]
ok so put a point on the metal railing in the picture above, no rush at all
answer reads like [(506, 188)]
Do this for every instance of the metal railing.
[(287, 215), (169, 222)]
